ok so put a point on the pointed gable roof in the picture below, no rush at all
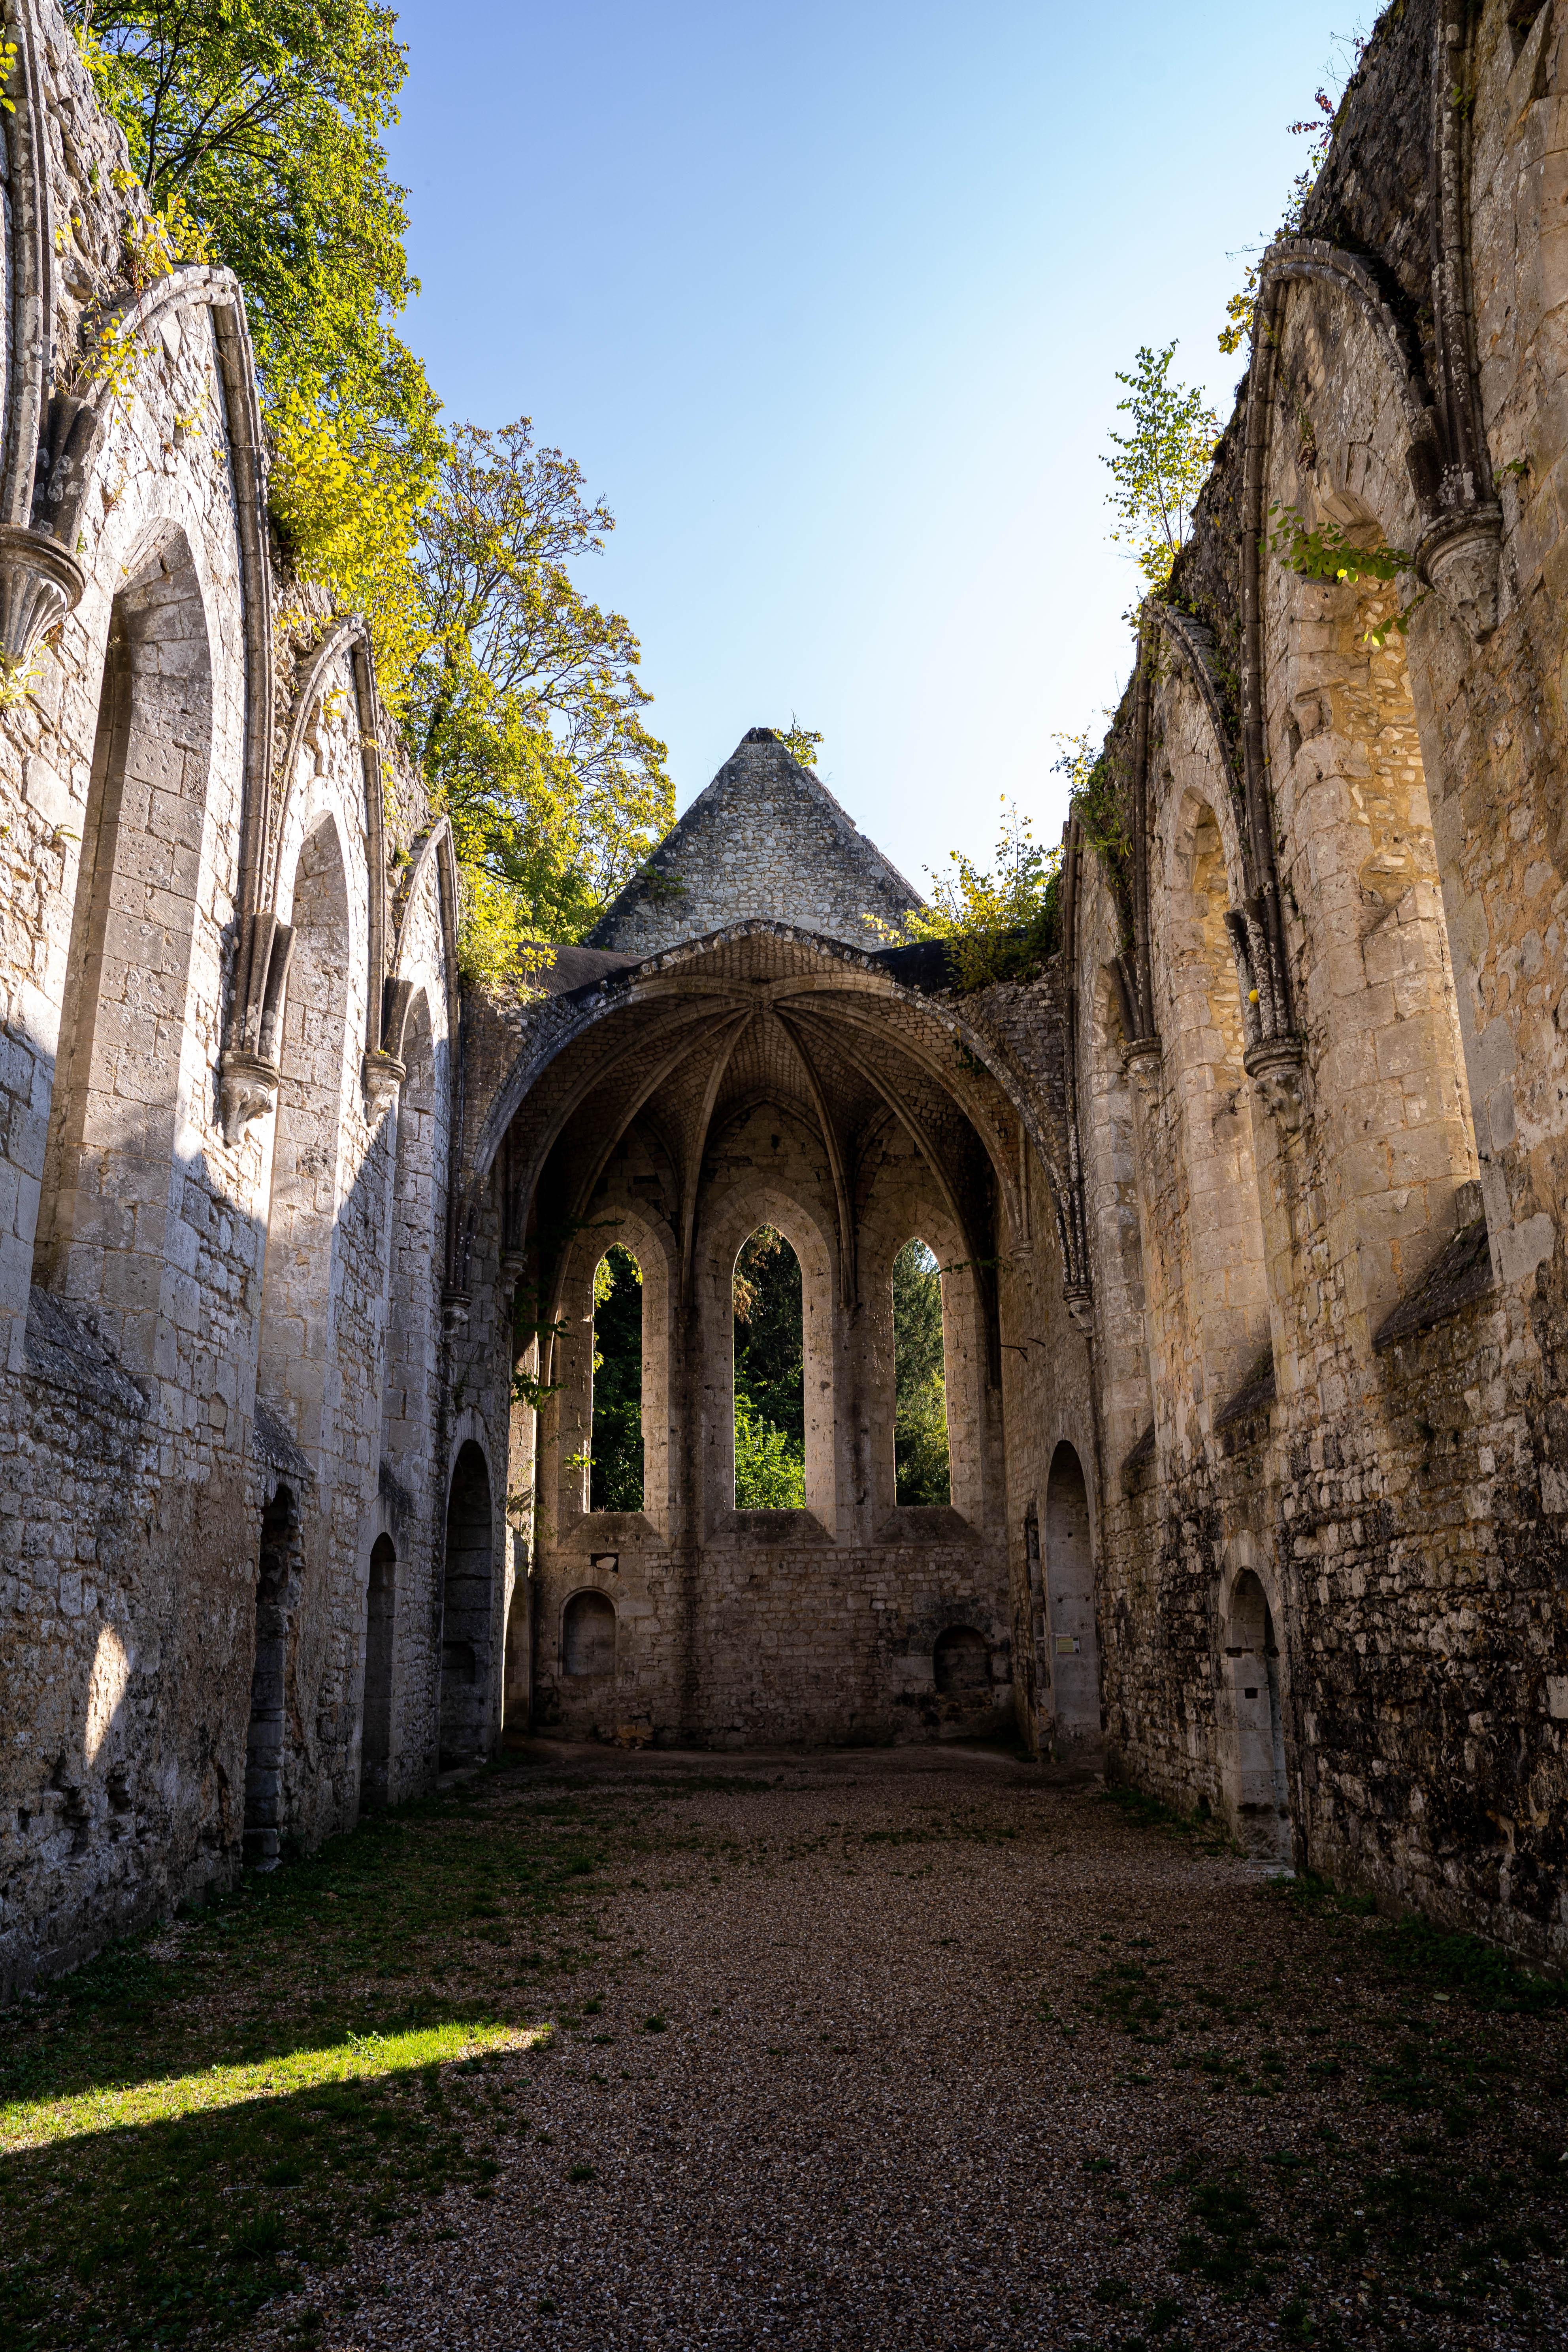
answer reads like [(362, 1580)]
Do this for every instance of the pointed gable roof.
[(766, 839)]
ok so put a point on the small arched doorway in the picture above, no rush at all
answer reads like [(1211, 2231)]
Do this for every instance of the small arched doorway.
[(1256, 1787), (467, 1612), (380, 1628), (1072, 1652)]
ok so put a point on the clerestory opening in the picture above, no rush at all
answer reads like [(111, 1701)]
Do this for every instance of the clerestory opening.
[(922, 1461), (616, 1448), (770, 1374)]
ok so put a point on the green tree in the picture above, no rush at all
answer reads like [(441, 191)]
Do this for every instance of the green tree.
[(615, 1479), (524, 708), (260, 122), (920, 1394), (1160, 466)]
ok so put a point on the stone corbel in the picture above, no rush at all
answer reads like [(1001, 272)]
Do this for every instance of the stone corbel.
[(1460, 556), (1080, 1302), (455, 1306), (1141, 1057), (1274, 1069), (247, 1089), (382, 1074), (40, 584)]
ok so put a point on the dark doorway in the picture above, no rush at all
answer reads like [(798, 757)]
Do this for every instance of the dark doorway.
[(381, 1613), (467, 1613), (265, 1743)]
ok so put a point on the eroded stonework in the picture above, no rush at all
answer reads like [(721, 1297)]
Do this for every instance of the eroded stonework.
[(1249, 1205)]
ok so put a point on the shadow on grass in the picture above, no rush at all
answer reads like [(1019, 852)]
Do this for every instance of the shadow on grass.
[(181, 2122)]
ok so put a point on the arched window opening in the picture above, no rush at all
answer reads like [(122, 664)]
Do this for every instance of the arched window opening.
[(589, 1635), (960, 1663), (616, 1474), (264, 1752), (380, 1629), (297, 1295), (1072, 1652), (467, 1613), (1259, 1795), (770, 1375), (109, 1193), (921, 1467)]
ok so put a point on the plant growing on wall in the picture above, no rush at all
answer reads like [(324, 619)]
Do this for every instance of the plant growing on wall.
[(1326, 552), (997, 922), (1158, 465)]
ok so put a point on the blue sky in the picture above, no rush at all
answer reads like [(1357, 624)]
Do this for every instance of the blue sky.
[(828, 301)]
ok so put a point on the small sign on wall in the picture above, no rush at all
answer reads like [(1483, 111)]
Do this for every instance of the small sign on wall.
[(1068, 1645)]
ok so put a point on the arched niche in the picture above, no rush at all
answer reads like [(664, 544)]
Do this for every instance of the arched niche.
[(568, 1419), (588, 1637), (1108, 1114), (1252, 1721), (299, 1285), (467, 1612), (727, 1225), (380, 1656), (414, 1257), (122, 1088), (1072, 1646), (1377, 1001), (1210, 1228)]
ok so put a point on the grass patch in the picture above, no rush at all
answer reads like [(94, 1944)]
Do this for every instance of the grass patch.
[(315, 2058)]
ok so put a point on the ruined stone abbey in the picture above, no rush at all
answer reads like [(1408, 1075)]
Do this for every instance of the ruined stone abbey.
[(1251, 1204)]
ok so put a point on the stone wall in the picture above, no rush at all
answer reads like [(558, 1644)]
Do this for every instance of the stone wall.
[(1352, 1454), (206, 1230)]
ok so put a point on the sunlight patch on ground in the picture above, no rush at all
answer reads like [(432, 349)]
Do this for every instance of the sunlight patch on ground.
[(368, 2057)]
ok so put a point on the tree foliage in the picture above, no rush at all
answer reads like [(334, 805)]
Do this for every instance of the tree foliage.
[(801, 742), (997, 922), (1158, 467), (524, 708), (262, 121), (922, 1467)]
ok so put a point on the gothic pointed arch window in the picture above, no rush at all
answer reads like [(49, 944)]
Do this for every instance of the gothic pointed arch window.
[(922, 1468)]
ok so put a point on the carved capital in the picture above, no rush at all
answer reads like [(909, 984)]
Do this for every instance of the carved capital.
[(513, 1262), (1274, 1069), (382, 1074), (1460, 557), (1079, 1301), (40, 584), (455, 1305), (247, 1090)]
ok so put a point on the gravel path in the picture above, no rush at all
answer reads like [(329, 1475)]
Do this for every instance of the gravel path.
[(956, 2053)]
